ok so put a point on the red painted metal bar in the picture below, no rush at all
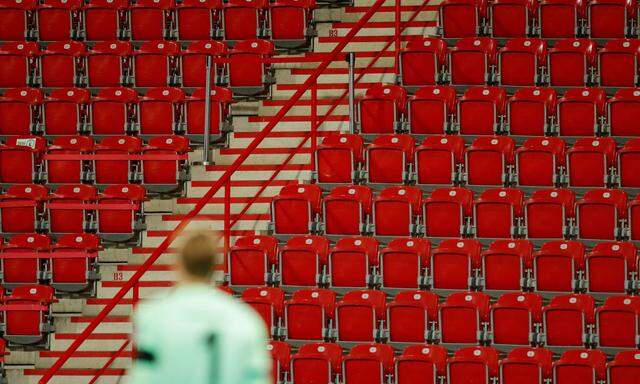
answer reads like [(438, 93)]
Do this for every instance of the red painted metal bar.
[(113, 358), (397, 33), (205, 199)]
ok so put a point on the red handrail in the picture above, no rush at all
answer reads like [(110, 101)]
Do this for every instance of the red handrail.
[(207, 196), (113, 358)]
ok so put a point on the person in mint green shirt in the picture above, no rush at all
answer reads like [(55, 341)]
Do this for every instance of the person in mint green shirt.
[(198, 334)]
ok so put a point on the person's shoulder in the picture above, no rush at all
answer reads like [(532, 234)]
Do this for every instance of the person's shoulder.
[(241, 315)]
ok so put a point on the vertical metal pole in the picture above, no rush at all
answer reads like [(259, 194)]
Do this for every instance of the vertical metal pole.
[(351, 59), (397, 33), (206, 159), (314, 123), (227, 221)]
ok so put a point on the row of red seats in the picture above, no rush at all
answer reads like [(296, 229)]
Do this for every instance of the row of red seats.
[(114, 111), (26, 319), (430, 364), (499, 213), (488, 161), (286, 22), (116, 214), (157, 63), (455, 264), (521, 62), (161, 165)]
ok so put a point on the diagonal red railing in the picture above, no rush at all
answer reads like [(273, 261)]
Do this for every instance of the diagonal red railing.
[(311, 80)]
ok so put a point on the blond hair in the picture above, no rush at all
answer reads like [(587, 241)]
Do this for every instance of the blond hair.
[(199, 254)]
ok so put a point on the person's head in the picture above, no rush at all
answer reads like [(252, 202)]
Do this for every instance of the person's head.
[(198, 257)]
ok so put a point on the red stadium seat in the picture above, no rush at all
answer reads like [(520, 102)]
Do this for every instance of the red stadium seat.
[(346, 210), (339, 158), (504, 265), (62, 64), (567, 320), (618, 60), (67, 210), (389, 159), (447, 212), (21, 208), (105, 20), (514, 317), (119, 171), (454, 264), (622, 110), (628, 163), (165, 166), (526, 366), (290, 23), (219, 117), (243, 19), (161, 111), (109, 64), (624, 368), (309, 314), (194, 60), (268, 302), (198, 20), (472, 60), (249, 74), (151, 19), (303, 261), (114, 112), (560, 18), (432, 110), (404, 263), (18, 20), (360, 316), (368, 363), (570, 61), (21, 264), (156, 64), (20, 159), (351, 262), (599, 213), (473, 365), (611, 18), (581, 112), (497, 213), (289, 206), (409, 316), (547, 213), (73, 264), (530, 110), (617, 322), (420, 54), (539, 162), (27, 318), (395, 211), (120, 215), (610, 266), (20, 111), (65, 112), (580, 366), (589, 162), (556, 266), (68, 171), (521, 60), (512, 18), (438, 160), (634, 219), (281, 357), (461, 18), (18, 62), (381, 109), (316, 363), (421, 363), (59, 20), (252, 260), (461, 316), (488, 159), (480, 111)]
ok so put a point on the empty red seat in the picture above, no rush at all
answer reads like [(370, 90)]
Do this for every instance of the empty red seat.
[(447, 212), (609, 267), (581, 112), (249, 73), (422, 62), (628, 157), (66, 112), (151, 19), (556, 266), (439, 160), (409, 316), (290, 22), (611, 18), (560, 18), (381, 109), (423, 363), (120, 216), (461, 18), (487, 160), (580, 366), (198, 20), (27, 317), (570, 61), (280, 353), (165, 166), (634, 219), (453, 264), (473, 365), (109, 64), (496, 213), (20, 159), (461, 316), (480, 111), (539, 162), (530, 110), (62, 64), (504, 265), (268, 302), (161, 111), (389, 159), (73, 264), (368, 363), (521, 60), (116, 168), (339, 158), (295, 209), (404, 263), (526, 366), (471, 61), (618, 60), (220, 100), (514, 317), (346, 210), (24, 260), (622, 109), (18, 62), (67, 170), (624, 368), (309, 314), (303, 261), (156, 64), (252, 260), (20, 111), (59, 20), (360, 316), (547, 213), (21, 207), (105, 20), (194, 60), (589, 162), (69, 209), (114, 112), (432, 110), (18, 18), (512, 18), (395, 211), (567, 320), (243, 19), (617, 322), (316, 363), (599, 213), (351, 262)]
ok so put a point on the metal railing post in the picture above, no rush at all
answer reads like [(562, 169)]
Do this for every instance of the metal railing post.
[(351, 59), (206, 156), (397, 33)]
